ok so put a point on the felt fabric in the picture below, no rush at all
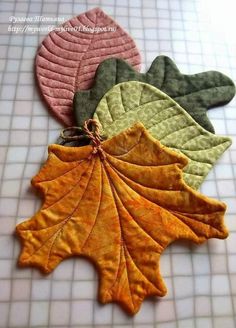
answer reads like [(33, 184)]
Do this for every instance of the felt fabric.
[(195, 93), (119, 203), (130, 102), (67, 59)]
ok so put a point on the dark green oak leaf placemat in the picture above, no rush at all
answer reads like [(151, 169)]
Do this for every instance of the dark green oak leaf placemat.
[(195, 93)]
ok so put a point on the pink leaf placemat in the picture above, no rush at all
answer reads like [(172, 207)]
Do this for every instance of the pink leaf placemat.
[(69, 56)]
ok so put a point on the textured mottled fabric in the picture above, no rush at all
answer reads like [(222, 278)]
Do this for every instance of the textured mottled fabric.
[(130, 102), (119, 205), (68, 58), (195, 93)]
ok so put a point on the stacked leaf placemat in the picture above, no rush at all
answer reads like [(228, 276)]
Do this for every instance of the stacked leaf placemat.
[(122, 184)]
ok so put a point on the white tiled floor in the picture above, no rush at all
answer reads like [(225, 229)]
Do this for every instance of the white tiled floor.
[(199, 35)]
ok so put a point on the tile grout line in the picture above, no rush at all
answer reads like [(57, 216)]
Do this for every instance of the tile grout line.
[(225, 242), (4, 166)]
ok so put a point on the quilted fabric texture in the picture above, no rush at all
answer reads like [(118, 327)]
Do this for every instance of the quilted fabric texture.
[(67, 59), (130, 102), (121, 205), (195, 93)]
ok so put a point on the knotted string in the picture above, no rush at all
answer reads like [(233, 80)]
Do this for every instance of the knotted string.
[(90, 130), (94, 136)]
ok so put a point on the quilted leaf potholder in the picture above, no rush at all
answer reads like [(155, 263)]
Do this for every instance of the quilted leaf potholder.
[(120, 203), (195, 93), (130, 102), (69, 55)]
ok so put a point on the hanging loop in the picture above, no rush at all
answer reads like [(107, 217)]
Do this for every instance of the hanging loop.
[(72, 133)]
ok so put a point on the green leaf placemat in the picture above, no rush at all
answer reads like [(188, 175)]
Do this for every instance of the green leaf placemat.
[(130, 102), (195, 93)]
